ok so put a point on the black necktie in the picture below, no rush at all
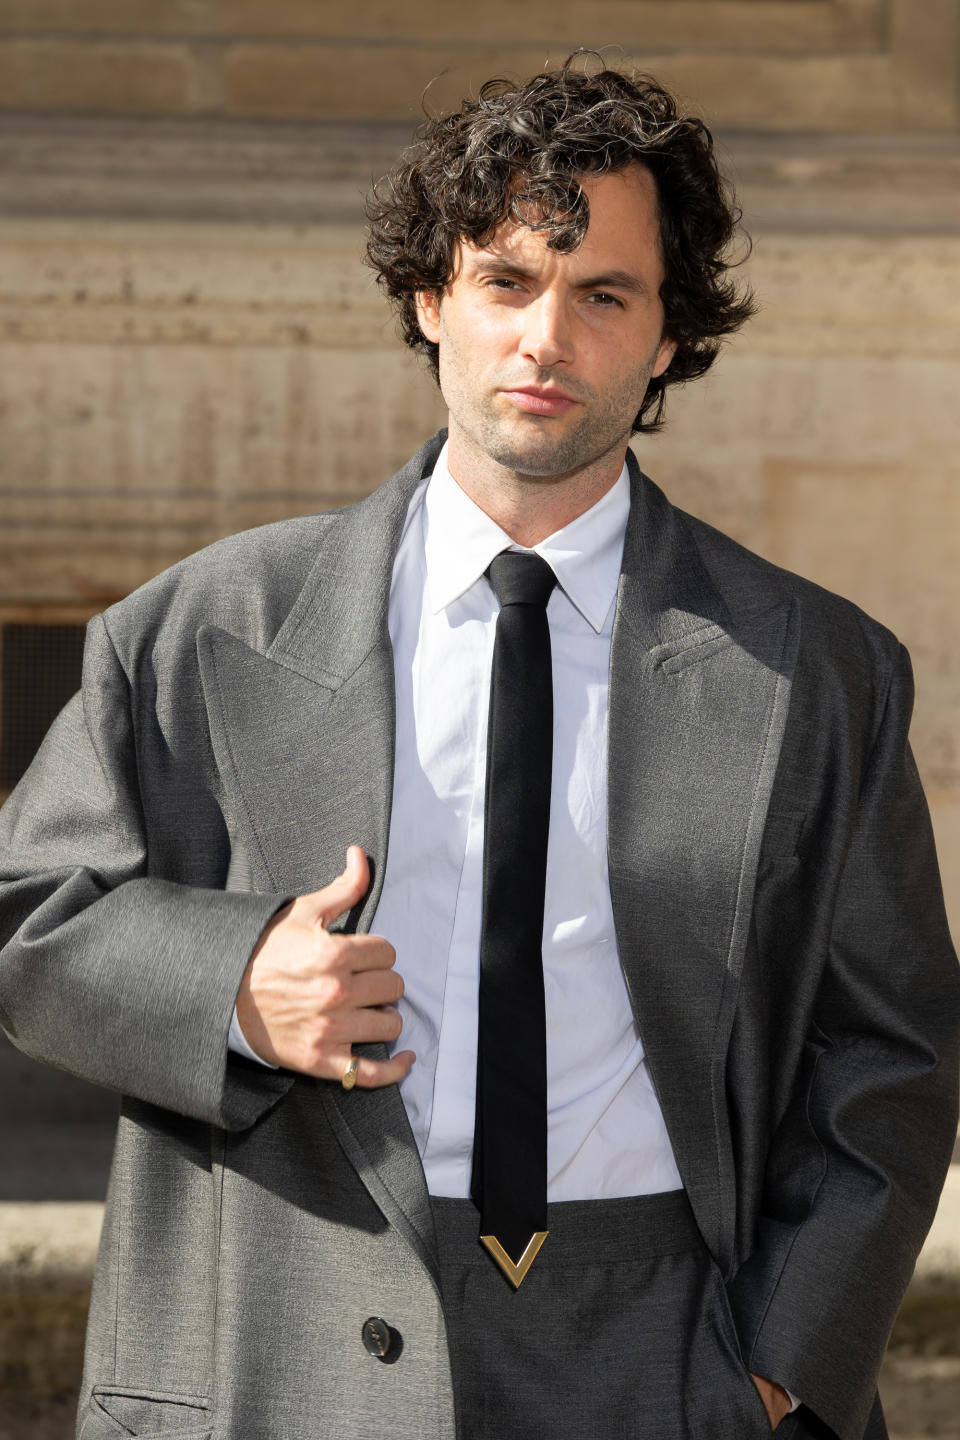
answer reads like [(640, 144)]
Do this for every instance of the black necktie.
[(510, 1142)]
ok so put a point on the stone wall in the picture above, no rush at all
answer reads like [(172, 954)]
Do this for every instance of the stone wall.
[(189, 345), (760, 64)]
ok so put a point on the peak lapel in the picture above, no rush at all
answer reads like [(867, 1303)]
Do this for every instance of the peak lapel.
[(304, 741), (303, 733), (698, 703)]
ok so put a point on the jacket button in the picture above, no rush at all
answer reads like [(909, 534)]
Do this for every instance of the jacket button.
[(377, 1337)]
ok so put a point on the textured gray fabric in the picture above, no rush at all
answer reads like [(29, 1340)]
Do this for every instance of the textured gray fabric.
[(778, 917), (621, 1328)]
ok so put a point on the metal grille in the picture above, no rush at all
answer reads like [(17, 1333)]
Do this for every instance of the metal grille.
[(40, 666)]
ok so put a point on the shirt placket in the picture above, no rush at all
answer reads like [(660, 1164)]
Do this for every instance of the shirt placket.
[(449, 1148)]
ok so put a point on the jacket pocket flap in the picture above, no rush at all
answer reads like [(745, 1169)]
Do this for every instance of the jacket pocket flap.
[(116, 1410)]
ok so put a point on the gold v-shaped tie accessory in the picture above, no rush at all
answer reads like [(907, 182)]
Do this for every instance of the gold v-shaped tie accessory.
[(516, 1274)]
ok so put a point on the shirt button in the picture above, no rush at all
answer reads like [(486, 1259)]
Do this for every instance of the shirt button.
[(377, 1337)]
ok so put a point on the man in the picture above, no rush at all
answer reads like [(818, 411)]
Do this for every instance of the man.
[(747, 1093)]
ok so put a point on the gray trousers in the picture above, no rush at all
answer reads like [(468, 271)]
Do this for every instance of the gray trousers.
[(620, 1329)]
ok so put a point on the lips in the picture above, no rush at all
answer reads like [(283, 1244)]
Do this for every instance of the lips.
[(540, 402)]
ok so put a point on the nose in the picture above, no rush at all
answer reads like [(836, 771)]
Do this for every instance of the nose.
[(546, 338)]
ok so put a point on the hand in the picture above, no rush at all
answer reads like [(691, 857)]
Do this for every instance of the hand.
[(776, 1401), (307, 996)]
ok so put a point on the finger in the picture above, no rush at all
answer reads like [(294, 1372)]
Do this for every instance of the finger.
[(377, 1022), (346, 891), (373, 1024), (371, 1074), (374, 1074), (381, 986), (354, 955)]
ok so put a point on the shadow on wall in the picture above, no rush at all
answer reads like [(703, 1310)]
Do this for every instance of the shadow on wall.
[(56, 1132)]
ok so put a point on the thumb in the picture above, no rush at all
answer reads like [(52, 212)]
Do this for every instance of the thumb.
[(346, 891)]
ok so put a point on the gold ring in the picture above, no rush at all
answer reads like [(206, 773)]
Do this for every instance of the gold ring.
[(349, 1077)]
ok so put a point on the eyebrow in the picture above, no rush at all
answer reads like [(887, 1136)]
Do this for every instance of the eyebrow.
[(609, 280), (615, 280)]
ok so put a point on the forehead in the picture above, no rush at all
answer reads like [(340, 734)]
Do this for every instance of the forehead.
[(624, 228)]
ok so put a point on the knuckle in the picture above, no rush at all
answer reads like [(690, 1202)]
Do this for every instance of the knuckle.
[(324, 1034), (317, 1051), (321, 1038), (328, 948), (312, 1058), (333, 992)]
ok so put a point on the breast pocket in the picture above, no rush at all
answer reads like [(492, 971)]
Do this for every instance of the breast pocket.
[(148, 1414)]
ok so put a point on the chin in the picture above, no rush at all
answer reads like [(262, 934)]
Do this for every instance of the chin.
[(528, 449), (543, 457), (536, 465)]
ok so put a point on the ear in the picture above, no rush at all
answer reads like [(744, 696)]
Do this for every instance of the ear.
[(428, 314), (665, 353)]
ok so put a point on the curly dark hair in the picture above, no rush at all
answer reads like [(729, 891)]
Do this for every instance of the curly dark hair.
[(519, 152)]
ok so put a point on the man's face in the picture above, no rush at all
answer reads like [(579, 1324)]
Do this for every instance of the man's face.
[(545, 358)]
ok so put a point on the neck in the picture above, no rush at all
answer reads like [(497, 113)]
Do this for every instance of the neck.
[(530, 507)]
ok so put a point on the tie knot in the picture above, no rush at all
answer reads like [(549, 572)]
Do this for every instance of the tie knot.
[(518, 579)]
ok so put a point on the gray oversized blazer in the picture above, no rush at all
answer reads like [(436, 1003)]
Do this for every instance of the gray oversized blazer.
[(779, 922)]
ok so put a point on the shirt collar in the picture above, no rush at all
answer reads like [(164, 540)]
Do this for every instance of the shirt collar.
[(460, 540)]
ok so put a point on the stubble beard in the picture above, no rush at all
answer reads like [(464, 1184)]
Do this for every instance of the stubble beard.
[(546, 450)]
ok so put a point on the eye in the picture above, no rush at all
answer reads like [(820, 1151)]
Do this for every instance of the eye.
[(604, 301), (501, 282)]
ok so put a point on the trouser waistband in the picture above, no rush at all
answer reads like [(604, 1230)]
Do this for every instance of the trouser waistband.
[(582, 1232)]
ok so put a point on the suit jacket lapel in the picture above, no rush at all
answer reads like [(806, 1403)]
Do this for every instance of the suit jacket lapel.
[(304, 739), (698, 703)]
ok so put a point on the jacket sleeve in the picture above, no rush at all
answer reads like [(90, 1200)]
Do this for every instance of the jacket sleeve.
[(125, 979), (857, 1164)]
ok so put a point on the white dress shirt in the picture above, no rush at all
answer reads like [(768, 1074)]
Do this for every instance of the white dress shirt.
[(606, 1135)]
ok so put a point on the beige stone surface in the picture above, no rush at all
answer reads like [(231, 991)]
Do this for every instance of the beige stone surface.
[(867, 295), (921, 1397), (842, 184), (940, 1256), (136, 78), (47, 1253), (889, 540), (127, 17), (163, 386), (775, 65), (48, 1245), (157, 451), (737, 91), (791, 26), (208, 169), (945, 814), (87, 282)]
